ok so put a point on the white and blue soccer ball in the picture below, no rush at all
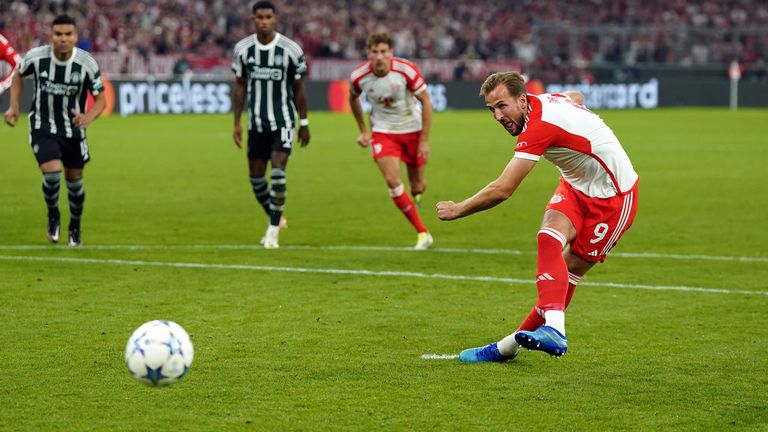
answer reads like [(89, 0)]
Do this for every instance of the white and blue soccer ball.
[(159, 353)]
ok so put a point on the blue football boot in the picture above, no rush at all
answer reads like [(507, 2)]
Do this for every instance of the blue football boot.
[(488, 353), (545, 338)]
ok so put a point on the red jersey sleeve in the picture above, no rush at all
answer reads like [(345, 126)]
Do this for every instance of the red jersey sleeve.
[(7, 53), (537, 136), (10, 56)]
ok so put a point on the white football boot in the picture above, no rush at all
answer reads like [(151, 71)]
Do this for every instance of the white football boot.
[(423, 241), (270, 238)]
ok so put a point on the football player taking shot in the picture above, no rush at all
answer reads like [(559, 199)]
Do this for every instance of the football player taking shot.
[(590, 210)]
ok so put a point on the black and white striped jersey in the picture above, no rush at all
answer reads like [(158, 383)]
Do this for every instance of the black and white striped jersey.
[(270, 71), (61, 87)]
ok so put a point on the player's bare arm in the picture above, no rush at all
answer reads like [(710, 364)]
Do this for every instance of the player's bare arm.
[(575, 96), (12, 113), (426, 123), (490, 196), (364, 138), (300, 99), (82, 120), (238, 101)]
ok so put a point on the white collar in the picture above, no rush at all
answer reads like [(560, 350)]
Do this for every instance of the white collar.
[(65, 62), (259, 45)]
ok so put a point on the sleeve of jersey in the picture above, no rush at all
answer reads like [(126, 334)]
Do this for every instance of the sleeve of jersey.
[(26, 65), (532, 144), (300, 66), (416, 84), (12, 59), (96, 84), (10, 56), (237, 64), (354, 87)]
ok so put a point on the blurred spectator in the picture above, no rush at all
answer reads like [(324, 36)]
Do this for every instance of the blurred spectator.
[(181, 67), (555, 37)]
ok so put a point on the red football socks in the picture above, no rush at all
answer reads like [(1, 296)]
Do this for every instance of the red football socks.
[(551, 271), (405, 204)]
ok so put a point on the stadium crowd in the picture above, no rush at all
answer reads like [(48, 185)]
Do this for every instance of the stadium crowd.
[(557, 37)]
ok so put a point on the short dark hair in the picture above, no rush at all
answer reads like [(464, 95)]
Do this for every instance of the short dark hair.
[(377, 38), (63, 20), (513, 81), (263, 5)]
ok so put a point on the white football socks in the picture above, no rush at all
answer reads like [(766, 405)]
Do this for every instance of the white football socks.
[(508, 346), (556, 320)]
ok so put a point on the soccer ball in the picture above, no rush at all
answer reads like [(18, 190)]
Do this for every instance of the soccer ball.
[(159, 353)]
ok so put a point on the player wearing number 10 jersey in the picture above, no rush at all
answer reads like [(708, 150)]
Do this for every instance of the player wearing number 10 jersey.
[(269, 70), (591, 209)]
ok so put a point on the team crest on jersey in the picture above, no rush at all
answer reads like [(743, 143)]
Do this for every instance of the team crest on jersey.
[(75, 78), (395, 87), (557, 198), (278, 59)]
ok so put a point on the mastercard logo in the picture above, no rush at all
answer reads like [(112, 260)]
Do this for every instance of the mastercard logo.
[(109, 93)]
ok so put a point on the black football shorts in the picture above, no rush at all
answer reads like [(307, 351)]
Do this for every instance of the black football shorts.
[(46, 146), (262, 144)]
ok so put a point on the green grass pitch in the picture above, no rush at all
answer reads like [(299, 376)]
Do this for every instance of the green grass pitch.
[(668, 334)]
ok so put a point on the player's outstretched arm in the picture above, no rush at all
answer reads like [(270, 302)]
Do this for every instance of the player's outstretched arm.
[(12, 113), (300, 100), (364, 139), (490, 196), (238, 102)]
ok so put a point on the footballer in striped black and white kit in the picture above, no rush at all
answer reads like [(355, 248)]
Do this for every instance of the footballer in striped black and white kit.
[(269, 73), (62, 75)]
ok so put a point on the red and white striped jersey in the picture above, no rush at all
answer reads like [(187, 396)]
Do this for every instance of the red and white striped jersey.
[(584, 149), (10, 56), (393, 106)]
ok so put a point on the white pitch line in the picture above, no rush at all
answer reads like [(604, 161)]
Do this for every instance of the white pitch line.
[(631, 255), (439, 356), (368, 273)]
